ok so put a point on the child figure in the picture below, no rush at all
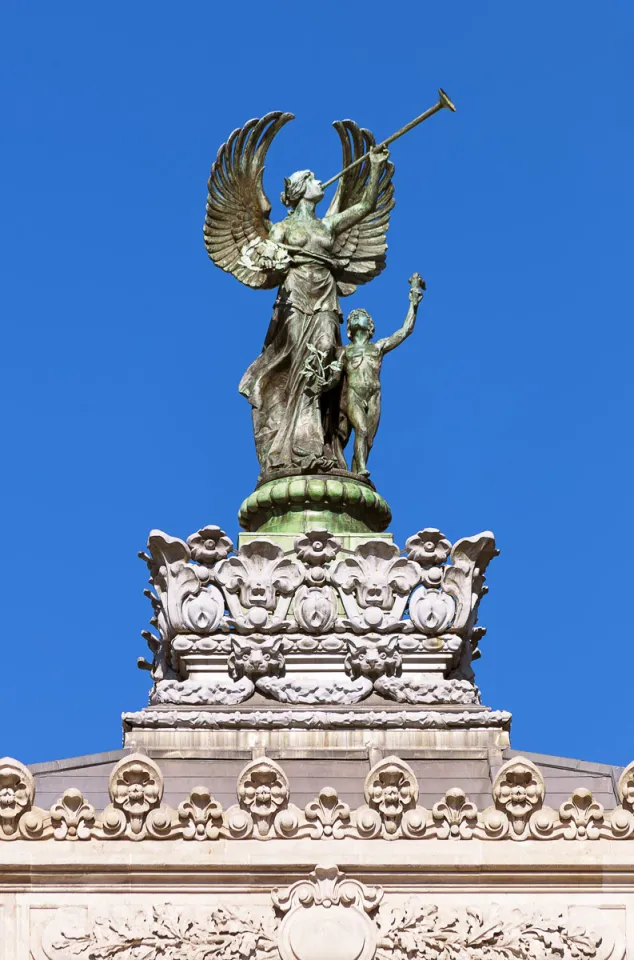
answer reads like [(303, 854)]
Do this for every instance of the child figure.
[(360, 365)]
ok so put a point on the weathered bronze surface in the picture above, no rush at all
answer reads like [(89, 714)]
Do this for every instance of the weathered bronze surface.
[(306, 390), (360, 365)]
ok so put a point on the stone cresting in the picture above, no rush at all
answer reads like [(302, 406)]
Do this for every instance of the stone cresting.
[(318, 624), (328, 914), (264, 810)]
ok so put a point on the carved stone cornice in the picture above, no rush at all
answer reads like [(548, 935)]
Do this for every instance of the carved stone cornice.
[(264, 809)]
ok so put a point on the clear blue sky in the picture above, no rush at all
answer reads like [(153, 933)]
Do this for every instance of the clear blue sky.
[(510, 408)]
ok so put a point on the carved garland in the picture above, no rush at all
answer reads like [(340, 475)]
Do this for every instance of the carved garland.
[(264, 811), (329, 915)]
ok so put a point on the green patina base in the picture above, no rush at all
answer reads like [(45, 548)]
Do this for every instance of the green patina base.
[(342, 504)]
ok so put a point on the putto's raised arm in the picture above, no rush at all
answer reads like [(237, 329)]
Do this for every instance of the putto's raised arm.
[(417, 286), (339, 222)]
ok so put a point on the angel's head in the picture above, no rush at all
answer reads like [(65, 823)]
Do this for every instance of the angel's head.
[(360, 321), (302, 185)]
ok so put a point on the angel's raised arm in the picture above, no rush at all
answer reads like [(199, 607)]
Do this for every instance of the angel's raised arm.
[(339, 222)]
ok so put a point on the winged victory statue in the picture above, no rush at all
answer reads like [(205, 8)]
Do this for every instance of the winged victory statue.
[(294, 386)]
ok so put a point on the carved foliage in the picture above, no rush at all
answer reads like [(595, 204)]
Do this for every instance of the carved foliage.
[(187, 602), (375, 584), (259, 583), (421, 930), (165, 932)]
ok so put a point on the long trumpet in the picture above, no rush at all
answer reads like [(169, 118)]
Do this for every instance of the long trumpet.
[(443, 101)]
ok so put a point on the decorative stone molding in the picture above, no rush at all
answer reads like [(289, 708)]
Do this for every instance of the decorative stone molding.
[(582, 816), (391, 792), (200, 816), (135, 811), (518, 794), (264, 812), (263, 809), (328, 914), (328, 816), (18, 817), (213, 610), (71, 817), (313, 720), (455, 817)]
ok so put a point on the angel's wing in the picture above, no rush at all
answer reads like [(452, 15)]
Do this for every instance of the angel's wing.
[(237, 207), (364, 244)]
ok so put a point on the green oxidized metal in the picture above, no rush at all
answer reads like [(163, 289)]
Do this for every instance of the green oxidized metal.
[(300, 503)]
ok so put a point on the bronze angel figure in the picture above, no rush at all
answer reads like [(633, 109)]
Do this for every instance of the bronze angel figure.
[(294, 384)]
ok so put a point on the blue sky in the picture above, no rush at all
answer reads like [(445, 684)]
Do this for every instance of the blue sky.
[(509, 409)]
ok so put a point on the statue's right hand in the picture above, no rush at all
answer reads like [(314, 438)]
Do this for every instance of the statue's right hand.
[(378, 156)]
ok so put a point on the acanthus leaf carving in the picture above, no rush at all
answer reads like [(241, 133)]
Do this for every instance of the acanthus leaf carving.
[(374, 585), (259, 584), (186, 601), (464, 579)]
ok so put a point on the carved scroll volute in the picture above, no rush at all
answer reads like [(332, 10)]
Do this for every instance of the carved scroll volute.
[(189, 602), (135, 810), (327, 915), (263, 803), (391, 793), (464, 580), (18, 817), (259, 584), (375, 584)]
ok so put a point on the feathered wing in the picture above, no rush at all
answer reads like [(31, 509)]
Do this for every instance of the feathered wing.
[(238, 210), (363, 245)]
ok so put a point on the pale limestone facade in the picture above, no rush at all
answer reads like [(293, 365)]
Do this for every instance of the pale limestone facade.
[(318, 817)]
